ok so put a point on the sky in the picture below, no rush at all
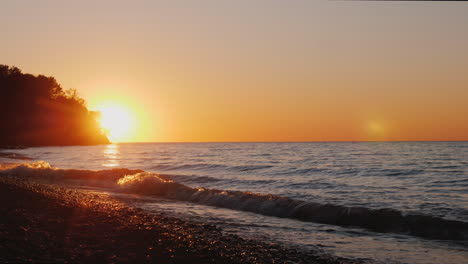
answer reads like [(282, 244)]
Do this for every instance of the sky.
[(207, 71)]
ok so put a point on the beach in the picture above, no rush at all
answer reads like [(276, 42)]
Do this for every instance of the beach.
[(43, 223)]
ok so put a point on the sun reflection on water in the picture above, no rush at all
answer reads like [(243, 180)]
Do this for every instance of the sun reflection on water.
[(111, 155)]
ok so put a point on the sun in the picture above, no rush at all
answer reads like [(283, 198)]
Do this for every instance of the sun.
[(116, 121), (377, 130)]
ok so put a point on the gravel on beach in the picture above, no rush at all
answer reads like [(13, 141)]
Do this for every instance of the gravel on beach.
[(50, 224)]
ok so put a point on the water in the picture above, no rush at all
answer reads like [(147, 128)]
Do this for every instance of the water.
[(398, 202)]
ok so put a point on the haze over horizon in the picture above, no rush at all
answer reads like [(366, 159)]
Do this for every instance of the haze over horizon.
[(255, 70)]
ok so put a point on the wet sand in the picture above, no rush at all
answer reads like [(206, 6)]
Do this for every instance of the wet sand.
[(46, 223)]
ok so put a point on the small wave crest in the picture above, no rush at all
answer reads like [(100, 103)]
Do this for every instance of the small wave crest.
[(197, 166), (190, 178), (14, 156), (245, 168), (44, 170), (27, 169), (148, 184), (209, 167)]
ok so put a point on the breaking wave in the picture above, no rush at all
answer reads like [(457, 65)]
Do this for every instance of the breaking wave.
[(44, 171), (146, 183), (13, 156)]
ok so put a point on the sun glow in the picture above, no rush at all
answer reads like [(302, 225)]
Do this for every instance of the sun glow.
[(117, 122), (376, 130)]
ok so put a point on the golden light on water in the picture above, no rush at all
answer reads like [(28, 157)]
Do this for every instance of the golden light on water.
[(111, 155)]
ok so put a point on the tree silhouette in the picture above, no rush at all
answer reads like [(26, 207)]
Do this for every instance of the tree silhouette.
[(36, 111)]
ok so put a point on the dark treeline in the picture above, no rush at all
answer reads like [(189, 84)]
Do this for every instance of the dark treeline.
[(36, 111)]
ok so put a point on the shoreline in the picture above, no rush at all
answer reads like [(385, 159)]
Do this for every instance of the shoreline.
[(45, 223)]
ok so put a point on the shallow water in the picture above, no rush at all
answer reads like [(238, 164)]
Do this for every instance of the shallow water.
[(411, 179)]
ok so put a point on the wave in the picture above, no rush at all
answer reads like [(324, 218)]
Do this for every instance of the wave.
[(201, 166), (196, 179), (208, 166), (191, 178), (146, 183), (296, 171), (379, 220), (43, 170), (16, 156), (398, 172), (245, 168)]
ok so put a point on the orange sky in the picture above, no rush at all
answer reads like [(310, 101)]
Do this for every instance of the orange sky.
[(255, 70)]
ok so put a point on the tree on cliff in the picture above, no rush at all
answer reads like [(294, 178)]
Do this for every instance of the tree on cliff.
[(36, 111)]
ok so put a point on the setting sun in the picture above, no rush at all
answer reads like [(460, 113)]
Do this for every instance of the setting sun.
[(117, 121)]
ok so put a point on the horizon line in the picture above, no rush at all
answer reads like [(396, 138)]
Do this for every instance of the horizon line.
[(317, 141)]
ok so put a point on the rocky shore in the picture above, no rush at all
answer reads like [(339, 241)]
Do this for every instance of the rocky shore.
[(49, 224)]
